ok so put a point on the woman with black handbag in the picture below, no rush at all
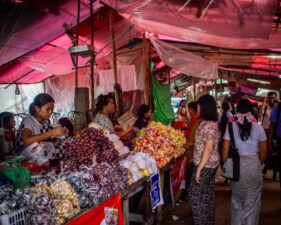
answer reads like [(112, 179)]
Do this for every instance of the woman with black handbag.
[(248, 138)]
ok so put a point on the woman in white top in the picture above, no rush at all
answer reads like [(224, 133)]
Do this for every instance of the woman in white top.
[(246, 193), (37, 127)]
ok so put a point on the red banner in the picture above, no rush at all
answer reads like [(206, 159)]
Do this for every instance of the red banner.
[(109, 212), (177, 176)]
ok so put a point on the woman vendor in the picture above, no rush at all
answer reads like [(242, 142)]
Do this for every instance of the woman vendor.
[(105, 107), (36, 128), (144, 116), (182, 113)]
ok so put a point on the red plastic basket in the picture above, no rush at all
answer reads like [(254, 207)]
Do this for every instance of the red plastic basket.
[(32, 168)]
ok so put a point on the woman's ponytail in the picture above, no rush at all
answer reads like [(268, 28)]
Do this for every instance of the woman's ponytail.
[(32, 109)]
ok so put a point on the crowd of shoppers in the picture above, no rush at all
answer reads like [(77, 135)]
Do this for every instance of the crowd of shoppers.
[(255, 143)]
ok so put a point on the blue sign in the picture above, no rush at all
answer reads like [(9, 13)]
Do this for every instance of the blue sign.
[(155, 191)]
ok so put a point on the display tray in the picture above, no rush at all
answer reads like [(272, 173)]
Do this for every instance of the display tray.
[(134, 188), (168, 165)]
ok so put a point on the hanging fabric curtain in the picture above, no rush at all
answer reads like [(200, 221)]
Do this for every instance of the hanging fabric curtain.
[(163, 111), (185, 62)]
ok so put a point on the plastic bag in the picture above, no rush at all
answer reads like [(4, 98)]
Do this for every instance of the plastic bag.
[(40, 152), (19, 175)]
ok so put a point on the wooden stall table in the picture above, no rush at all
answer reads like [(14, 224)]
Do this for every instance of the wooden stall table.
[(164, 210), (130, 191)]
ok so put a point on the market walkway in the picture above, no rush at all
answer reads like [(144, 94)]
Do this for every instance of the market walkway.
[(270, 213)]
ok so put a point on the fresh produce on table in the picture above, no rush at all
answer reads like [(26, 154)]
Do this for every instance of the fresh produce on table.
[(139, 165), (177, 137), (57, 201), (95, 184), (41, 209), (89, 147), (118, 145), (158, 145), (65, 200)]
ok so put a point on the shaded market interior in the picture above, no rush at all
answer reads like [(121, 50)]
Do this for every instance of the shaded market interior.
[(223, 48)]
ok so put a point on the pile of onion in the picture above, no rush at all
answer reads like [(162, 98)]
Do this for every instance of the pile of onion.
[(89, 147)]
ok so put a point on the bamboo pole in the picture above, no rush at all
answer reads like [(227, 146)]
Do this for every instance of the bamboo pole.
[(145, 62), (114, 60), (150, 102)]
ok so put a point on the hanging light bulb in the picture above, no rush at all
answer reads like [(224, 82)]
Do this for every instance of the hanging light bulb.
[(17, 90)]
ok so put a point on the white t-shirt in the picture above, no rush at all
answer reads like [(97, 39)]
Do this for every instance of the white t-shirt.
[(32, 124), (265, 121), (249, 147)]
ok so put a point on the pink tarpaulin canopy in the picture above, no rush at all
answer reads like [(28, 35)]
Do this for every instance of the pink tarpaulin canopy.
[(28, 25), (54, 59), (238, 24), (226, 18), (38, 43)]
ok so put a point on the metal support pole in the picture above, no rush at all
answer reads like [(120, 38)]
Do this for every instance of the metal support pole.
[(92, 60), (221, 84), (194, 88), (114, 60), (216, 92), (77, 43)]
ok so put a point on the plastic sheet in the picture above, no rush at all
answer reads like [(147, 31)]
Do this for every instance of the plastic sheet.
[(185, 62), (19, 103), (62, 88), (225, 18)]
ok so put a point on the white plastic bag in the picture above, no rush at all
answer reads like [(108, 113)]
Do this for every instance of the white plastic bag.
[(39, 152)]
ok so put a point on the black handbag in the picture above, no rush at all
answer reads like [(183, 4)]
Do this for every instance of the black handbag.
[(275, 137), (231, 168)]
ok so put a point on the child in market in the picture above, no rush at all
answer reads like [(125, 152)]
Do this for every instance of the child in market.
[(7, 125)]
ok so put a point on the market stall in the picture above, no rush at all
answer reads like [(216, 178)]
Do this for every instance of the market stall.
[(96, 168), (98, 178)]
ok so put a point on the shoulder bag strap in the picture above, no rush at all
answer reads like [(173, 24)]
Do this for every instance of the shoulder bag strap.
[(278, 112), (230, 129), (264, 113), (277, 121)]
